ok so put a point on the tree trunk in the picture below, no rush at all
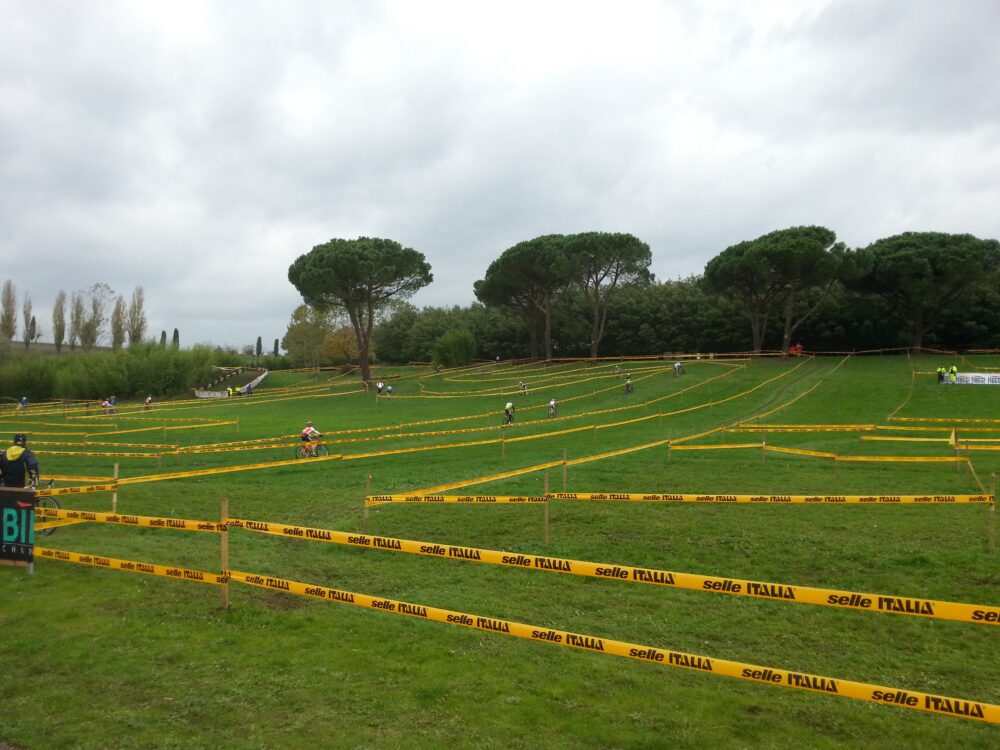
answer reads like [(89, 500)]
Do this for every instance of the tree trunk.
[(917, 333), (548, 331), (595, 331), (758, 328), (533, 332)]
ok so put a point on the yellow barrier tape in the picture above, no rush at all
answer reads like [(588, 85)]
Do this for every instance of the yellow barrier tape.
[(716, 446), (90, 444), (947, 420), (469, 499), (120, 519), (777, 499), (769, 428), (782, 592), (96, 454), (75, 478), (224, 470), (904, 459), (130, 566), (883, 438), (76, 490), (164, 427), (798, 451), (490, 478), (768, 675)]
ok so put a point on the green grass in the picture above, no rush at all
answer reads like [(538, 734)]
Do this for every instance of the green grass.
[(95, 658)]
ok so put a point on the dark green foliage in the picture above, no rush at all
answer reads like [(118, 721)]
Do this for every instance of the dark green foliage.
[(275, 352), (260, 347), (455, 349), (360, 277), (921, 274)]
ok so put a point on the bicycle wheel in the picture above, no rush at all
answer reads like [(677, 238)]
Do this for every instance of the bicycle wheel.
[(322, 450), (46, 502), (300, 451)]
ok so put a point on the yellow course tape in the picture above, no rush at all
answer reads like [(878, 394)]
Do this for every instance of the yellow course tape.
[(685, 498), (75, 478), (77, 490), (799, 451), (468, 499), (930, 608), (224, 470), (665, 657), (95, 454), (180, 574), (178, 524), (716, 446)]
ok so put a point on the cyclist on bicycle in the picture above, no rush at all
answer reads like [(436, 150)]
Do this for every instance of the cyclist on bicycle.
[(508, 413), (309, 434), (628, 384), (552, 407), (17, 462)]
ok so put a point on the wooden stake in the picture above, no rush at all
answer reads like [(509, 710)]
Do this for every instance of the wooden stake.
[(546, 517), (993, 515), (238, 421), (364, 514), (224, 512), (564, 469), (836, 464), (114, 495)]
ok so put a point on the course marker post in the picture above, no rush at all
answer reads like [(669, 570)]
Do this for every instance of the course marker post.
[(545, 490), (114, 495), (364, 503), (564, 469), (993, 514), (238, 421), (224, 551)]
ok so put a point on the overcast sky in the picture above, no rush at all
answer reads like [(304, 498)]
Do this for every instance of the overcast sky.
[(197, 148)]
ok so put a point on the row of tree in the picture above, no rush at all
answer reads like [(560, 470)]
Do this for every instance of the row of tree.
[(81, 318), (592, 293)]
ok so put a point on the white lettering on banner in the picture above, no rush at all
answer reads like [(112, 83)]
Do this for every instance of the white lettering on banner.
[(976, 378)]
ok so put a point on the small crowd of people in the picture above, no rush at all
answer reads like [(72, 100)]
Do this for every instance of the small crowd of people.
[(383, 388), (947, 374), (240, 390)]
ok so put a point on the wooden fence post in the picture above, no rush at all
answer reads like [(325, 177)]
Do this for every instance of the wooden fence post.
[(546, 517), (564, 469), (225, 552), (114, 495), (364, 504), (993, 515)]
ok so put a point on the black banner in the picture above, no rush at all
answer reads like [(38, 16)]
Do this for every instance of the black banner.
[(17, 524)]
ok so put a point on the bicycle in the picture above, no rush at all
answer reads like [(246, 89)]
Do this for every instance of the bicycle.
[(43, 503), (629, 387), (310, 450)]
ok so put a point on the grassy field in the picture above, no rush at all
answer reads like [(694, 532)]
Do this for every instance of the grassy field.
[(99, 658)]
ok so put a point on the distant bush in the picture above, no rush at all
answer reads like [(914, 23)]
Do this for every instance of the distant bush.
[(130, 373), (455, 348)]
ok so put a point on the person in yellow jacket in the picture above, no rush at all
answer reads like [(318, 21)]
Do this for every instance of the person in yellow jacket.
[(17, 463)]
